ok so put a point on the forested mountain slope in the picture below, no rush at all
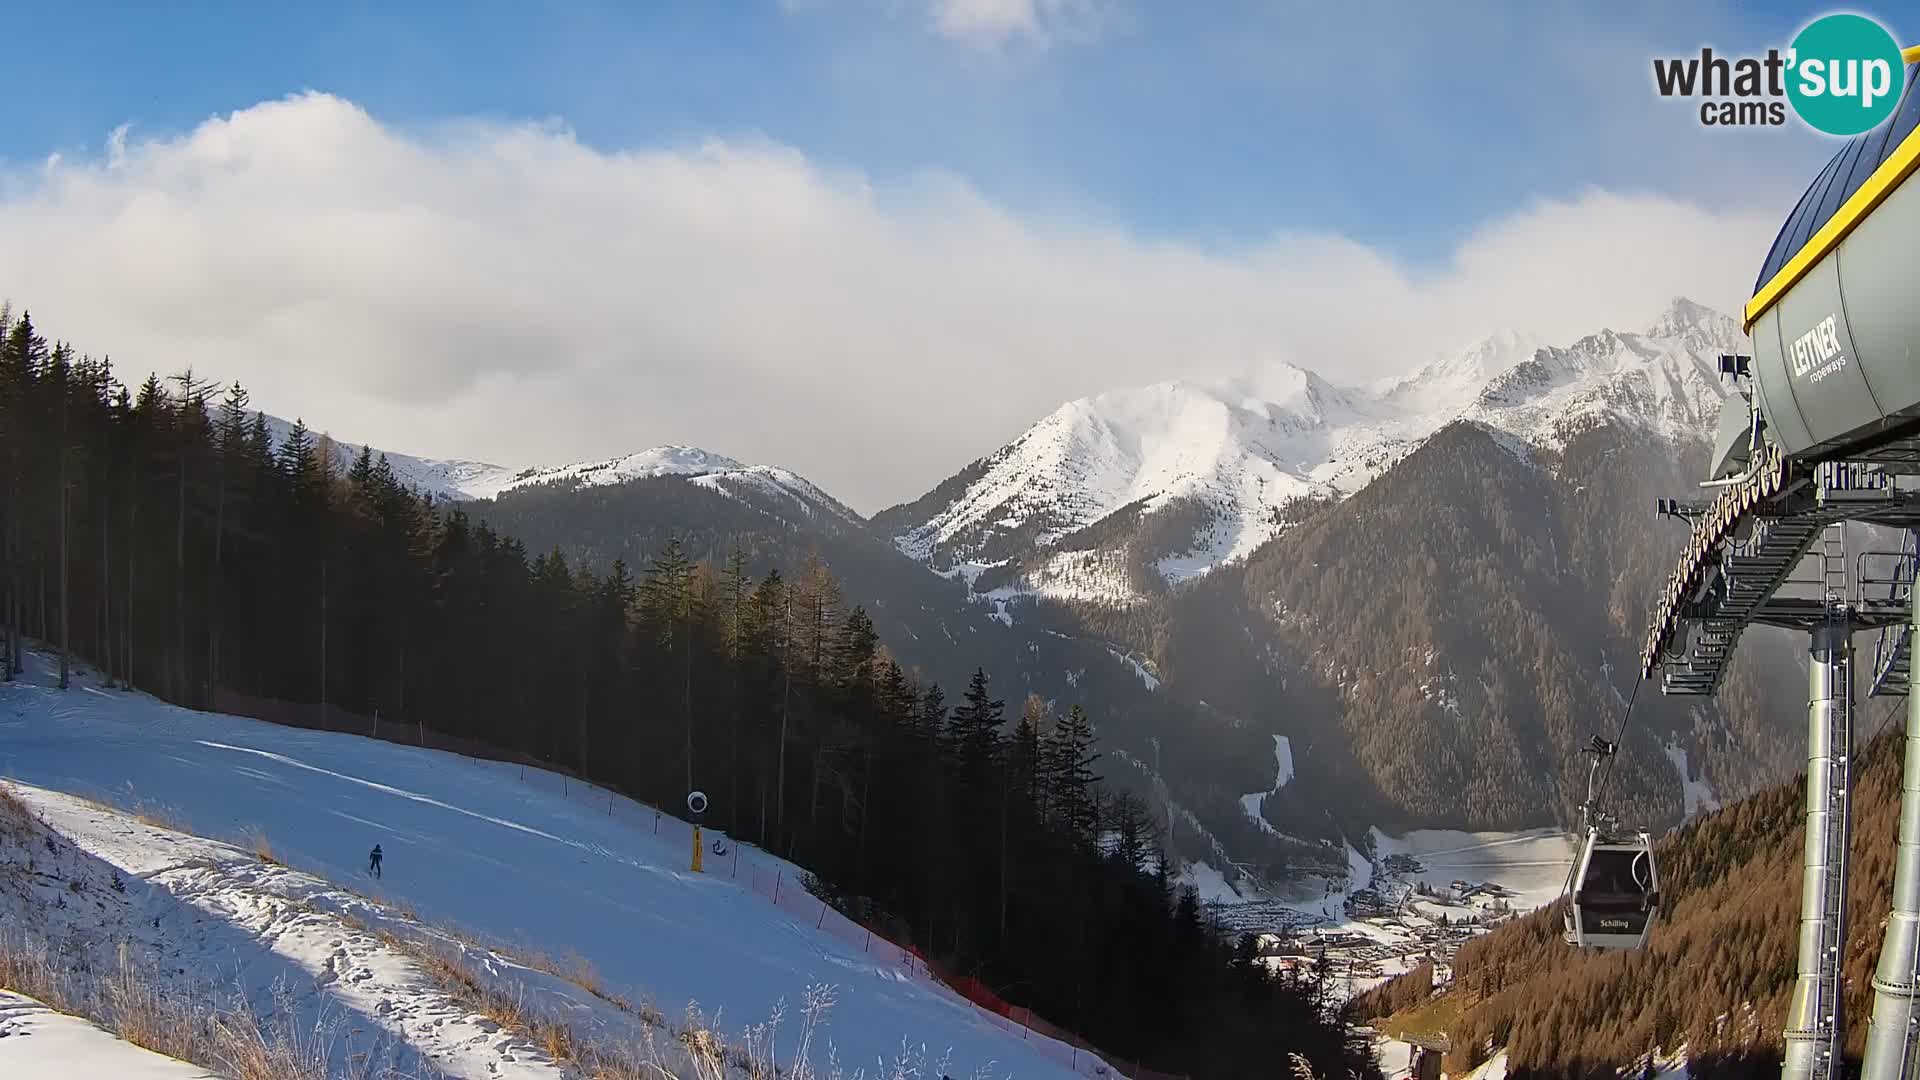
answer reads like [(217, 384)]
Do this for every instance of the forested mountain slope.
[(1448, 637), (1207, 757)]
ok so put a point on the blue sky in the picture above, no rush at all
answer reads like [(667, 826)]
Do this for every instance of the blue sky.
[(779, 229), (1399, 124)]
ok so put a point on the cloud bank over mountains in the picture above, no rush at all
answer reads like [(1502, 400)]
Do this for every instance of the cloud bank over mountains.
[(503, 291)]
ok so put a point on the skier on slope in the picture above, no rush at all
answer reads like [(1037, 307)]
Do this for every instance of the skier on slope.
[(373, 861)]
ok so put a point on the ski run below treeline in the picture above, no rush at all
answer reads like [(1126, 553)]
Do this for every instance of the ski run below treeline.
[(499, 866)]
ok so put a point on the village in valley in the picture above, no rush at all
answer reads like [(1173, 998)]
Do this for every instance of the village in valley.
[(1350, 941)]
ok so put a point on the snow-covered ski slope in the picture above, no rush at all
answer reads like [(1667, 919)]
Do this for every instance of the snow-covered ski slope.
[(529, 858)]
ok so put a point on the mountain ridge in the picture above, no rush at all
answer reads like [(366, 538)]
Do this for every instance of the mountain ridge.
[(1240, 447), (1208, 470), (463, 480)]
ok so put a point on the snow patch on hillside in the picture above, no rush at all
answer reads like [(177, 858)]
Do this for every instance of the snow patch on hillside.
[(1254, 805), (1359, 869), (1696, 795), (1147, 677), (1210, 884), (1665, 1065), (1095, 576), (1283, 762), (1494, 1068)]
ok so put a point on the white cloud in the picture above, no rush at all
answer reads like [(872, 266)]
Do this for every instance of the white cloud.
[(992, 24), (1043, 22), (994, 20), (509, 294)]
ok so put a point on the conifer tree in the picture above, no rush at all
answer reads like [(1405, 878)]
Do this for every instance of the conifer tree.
[(975, 728), (667, 603), (1070, 780)]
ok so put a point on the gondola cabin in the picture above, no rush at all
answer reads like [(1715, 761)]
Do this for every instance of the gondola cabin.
[(1616, 892)]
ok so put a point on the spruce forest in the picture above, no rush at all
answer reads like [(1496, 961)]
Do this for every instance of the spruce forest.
[(161, 534)]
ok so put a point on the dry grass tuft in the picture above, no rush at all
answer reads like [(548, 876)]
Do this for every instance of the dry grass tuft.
[(555, 1038), (391, 903), (574, 968), (15, 818), (162, 817), (27, 969), (262, 848)]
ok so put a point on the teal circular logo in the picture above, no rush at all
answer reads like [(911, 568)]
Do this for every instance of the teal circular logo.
[(1845, 74)]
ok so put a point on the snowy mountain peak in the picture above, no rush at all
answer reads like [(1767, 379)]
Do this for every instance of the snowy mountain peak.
[(1686, 320), (1453, 379), (716, 472), (1233, 445), (652, 462), (1285, 390), (1663, 380), (1066, 508), (1194, 410)]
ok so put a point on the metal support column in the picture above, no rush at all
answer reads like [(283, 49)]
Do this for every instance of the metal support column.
[(1814, 1021), (1891, 1034)]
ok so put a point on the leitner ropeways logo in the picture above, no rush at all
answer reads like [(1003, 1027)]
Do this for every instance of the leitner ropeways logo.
[(1843, 75), (1819, 347)]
